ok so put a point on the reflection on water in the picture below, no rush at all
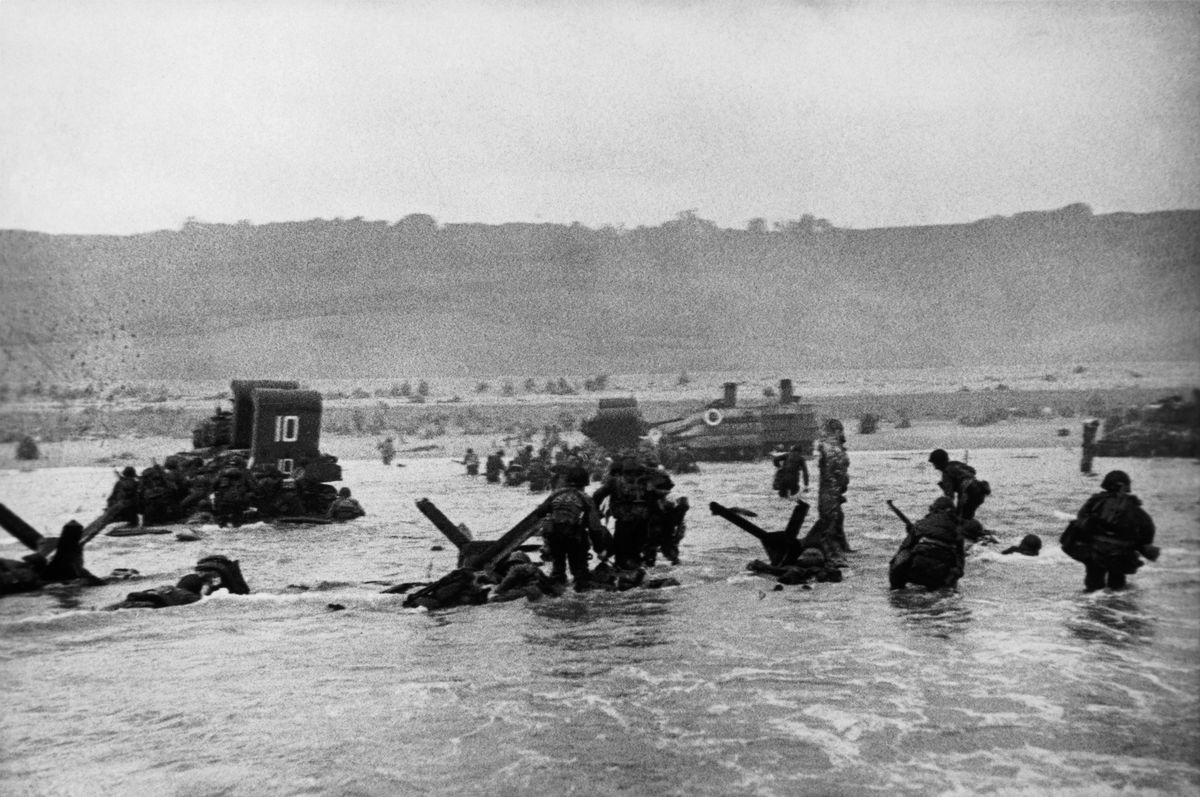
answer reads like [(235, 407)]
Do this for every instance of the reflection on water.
[(1111, 618), (938, 613)]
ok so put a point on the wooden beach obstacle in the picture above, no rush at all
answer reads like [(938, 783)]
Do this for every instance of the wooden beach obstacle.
[(481, 554), (782, 547), (478, 560), (54, 559)]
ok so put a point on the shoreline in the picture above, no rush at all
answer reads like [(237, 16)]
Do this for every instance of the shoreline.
[(923, 435)]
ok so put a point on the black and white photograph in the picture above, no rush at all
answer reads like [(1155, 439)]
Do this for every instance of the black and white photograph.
[(618, 397)]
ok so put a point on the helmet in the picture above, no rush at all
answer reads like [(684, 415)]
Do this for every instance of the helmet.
[(834, 426), (129, 471), (941, 504), (578, 477), (939, 457), (344, 492), (518, 558), (1113, 479)]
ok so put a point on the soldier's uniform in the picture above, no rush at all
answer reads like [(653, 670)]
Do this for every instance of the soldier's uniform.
[(344, 507), (633, 493), (573, 520), (933, 554), (959, 482), (157, 497), (829, 533), (232, 492), (1109, 533), (494, 467)]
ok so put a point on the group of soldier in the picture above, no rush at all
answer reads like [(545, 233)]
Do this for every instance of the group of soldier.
[(222, 490), (1110, 534)]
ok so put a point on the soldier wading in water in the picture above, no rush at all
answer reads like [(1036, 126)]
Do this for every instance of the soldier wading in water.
[(1110, 534)]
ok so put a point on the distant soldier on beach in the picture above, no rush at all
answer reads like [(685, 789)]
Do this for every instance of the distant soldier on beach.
[(790, 469), (959, 483), (494, 466), (1090, 428), (1110, 534), (471, 461), (387, 450)]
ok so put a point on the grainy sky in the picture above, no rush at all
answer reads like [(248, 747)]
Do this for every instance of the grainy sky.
[(121, 116)]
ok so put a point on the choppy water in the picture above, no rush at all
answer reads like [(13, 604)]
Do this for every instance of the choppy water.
[(1019, 682)]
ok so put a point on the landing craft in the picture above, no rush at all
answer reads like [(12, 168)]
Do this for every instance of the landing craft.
[(1168, 428), (272, 422), (722, 431)]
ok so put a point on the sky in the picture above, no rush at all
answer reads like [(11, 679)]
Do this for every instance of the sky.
[(123, 117)]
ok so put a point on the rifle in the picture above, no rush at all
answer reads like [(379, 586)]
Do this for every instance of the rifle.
[(907, 523)]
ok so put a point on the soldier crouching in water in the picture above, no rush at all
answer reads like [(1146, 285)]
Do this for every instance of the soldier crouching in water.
[(1109, 533), (573, 521), (933, 554), (344, 507)]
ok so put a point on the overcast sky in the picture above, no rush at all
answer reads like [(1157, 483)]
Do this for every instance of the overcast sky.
[(123, 117)]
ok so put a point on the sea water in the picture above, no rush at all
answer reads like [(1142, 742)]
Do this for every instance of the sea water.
[(317, 683)]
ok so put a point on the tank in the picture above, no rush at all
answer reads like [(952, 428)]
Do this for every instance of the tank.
[(1170, 427), (728, 431)]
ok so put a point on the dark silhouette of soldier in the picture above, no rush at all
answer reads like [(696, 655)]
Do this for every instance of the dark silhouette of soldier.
[(387, 450), (573, 521), (633, 492), (959, 483), (232, 493), (1090, 428), (1110, 534), (126, 493), (345, 507), (494, 466), (932, 554), (790, 469)]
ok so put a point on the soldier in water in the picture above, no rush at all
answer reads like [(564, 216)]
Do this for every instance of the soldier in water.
[(1088, 454), (933, 553), (790, 468), (471, 461), (959, 483), (126, 495), (344, 507), (494, 466), (833, 464), (387, 450), (232, 493), (1110, 534), (574, 522)]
